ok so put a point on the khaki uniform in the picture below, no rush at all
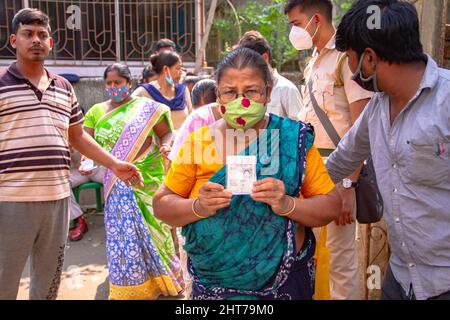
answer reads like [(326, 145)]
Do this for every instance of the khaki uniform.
[(334, 96)]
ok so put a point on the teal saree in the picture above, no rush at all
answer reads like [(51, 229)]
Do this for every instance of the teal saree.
[(247, 251)]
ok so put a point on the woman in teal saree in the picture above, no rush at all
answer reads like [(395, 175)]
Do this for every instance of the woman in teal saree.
[(141, 256), (260, 245)]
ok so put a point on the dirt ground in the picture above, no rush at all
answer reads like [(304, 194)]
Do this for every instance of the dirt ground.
[(85, 273)]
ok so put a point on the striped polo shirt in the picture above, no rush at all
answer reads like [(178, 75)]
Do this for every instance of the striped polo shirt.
[(34, 143)]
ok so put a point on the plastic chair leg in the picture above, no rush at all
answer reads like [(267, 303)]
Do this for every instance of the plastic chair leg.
[(98, 195), (76, 194)]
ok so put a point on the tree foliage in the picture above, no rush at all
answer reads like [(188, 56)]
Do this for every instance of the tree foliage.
[(267, 18)]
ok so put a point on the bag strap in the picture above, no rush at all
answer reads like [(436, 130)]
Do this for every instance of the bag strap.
[(338, 82), (323, 118)]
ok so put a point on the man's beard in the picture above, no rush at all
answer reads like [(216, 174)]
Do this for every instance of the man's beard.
[(40, 57)]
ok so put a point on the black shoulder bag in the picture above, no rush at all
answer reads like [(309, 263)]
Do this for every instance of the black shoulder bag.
[(369, 203)]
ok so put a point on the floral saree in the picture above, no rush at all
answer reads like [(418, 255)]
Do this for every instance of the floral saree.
[(141, 256)]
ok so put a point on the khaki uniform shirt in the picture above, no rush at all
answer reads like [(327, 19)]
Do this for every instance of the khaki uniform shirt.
[(333, 100)]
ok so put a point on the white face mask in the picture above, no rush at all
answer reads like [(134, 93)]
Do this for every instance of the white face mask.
[(300, 38)]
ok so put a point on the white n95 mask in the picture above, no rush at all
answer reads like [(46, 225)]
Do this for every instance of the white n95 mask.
[(300, 38)]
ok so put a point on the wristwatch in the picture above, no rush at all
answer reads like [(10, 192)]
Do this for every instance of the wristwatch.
[(347, 183)]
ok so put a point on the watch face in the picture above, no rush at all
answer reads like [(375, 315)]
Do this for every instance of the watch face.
[(347, 183)]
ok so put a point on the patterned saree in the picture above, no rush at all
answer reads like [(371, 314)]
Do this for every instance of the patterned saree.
[(246, 251), (141, 256)]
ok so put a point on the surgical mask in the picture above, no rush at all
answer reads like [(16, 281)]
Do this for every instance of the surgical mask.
[(369, 83), (169, 80), (118, 94), (242, 113), (300, 38)]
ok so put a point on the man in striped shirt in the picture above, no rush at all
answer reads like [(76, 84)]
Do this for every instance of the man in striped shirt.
[(39, 117)]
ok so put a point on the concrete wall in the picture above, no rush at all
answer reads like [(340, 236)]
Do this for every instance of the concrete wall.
[(90, 91)]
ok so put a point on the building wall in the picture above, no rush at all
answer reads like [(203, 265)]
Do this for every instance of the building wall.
[(91, 91), (433, 16), (447, 48), (89, 35)]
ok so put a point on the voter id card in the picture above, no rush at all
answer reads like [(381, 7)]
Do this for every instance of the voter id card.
[(241, 174)]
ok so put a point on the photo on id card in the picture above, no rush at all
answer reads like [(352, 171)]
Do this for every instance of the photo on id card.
[(241, 174)]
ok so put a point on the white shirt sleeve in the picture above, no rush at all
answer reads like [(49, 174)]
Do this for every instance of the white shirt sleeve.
[(293, 102)]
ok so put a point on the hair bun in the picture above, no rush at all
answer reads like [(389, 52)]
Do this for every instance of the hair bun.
[(154, 58)]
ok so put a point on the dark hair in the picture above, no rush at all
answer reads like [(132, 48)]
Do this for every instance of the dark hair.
[(204, 89), (242, 58), (148, 72), (191, 79), (165, 43), (165, 58), (30, 16), (398, 39), (325, 7), (255, 41), (121, 69)]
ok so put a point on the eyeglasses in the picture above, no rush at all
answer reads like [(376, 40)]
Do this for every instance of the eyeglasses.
[(252, 94)]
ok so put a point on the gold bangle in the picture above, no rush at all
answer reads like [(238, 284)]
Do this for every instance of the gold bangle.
[(290, 211), (195, 212)]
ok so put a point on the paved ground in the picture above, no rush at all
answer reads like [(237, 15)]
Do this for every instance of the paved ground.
[(85, 274)]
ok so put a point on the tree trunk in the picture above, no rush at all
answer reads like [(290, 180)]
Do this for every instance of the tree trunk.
[(433, 16)]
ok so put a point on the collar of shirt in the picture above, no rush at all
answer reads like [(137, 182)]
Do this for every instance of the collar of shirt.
[(331, 45), (16, 73), (431, 75), (429, 79)]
